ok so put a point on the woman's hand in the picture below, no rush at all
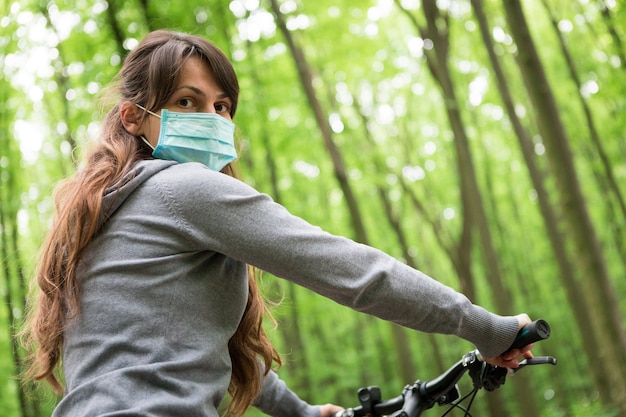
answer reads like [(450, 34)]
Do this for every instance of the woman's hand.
[(327, 410), (509, 358)]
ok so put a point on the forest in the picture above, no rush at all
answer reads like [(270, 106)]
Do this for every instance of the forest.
[(480, 141)]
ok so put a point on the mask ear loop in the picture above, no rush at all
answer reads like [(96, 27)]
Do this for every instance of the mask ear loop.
[(153, 114), (146, 142)]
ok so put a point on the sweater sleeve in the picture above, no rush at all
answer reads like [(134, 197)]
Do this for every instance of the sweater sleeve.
[(225, 215), (277, 400)]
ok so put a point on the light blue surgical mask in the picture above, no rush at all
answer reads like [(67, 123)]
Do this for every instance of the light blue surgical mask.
[(207, 138)]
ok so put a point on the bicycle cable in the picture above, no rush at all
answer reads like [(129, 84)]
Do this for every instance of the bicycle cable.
[(457, 404)]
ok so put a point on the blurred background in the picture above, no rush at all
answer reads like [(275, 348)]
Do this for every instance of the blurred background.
[(482, 142)]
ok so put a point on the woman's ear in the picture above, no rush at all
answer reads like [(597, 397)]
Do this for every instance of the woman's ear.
[(132, 118)]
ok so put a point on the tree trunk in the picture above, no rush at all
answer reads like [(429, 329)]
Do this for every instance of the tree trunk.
[(472, 203), (289, 328), (292, 333), (567, 272), (10, 305), (11, 271), (64, 85), (146, 14), (595, 278), (617, 40), (306, 78), (606, 179), (116, 30)]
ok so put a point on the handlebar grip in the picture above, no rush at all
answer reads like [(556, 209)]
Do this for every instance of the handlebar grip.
[(532, 332)]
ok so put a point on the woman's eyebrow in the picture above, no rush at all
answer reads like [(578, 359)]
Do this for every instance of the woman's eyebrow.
[(196, 90), (192, 88)]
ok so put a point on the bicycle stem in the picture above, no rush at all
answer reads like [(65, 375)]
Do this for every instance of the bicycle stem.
[(434, 389)]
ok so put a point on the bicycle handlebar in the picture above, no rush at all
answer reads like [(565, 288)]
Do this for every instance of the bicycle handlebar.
[(533, 332), (423, 395)]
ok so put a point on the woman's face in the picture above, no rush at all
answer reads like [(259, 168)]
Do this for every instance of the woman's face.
[(197, 91)]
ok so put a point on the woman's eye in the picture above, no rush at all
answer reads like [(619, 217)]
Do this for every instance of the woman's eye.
[(185, 102), (222, 108)]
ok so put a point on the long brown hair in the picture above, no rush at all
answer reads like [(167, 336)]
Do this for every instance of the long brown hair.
[(148, 77)]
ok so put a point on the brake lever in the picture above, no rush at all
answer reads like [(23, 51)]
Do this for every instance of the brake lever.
[(492, 377), (539, 360)]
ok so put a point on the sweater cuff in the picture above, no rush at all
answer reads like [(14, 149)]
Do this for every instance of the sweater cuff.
[(490, 333), (277, 400)]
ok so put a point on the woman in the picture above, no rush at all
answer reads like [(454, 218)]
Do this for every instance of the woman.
[(145, 290)]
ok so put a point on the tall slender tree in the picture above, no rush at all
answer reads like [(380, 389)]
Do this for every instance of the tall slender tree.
[(602, 302), (305, 73), (12, 286), (115, 27), (549, 213), (290, 328), (614, 32), (605, 173), (437, 31)]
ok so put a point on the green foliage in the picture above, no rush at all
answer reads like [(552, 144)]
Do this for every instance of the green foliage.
[(388, 118)]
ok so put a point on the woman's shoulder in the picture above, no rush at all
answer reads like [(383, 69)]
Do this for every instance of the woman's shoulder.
[(205, 201), (195, 179)]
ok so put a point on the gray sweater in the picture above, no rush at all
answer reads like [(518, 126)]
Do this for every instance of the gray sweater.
[(164, 285)]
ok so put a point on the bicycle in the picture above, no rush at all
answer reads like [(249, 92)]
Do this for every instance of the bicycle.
[(423, 395)]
